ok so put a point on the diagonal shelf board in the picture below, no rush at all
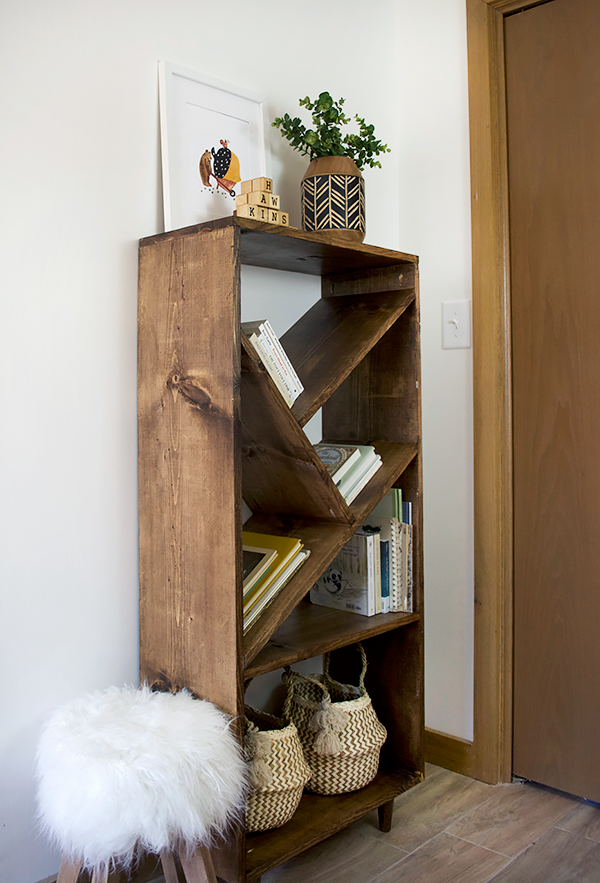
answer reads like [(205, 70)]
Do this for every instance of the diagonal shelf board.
[(281, 471), (320, 816), (333, 337), (311, 630), (324, 539)]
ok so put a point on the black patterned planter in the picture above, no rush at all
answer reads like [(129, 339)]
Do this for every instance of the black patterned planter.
[(333, 197)]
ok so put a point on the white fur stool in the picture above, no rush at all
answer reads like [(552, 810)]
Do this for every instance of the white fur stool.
[(125, 772)]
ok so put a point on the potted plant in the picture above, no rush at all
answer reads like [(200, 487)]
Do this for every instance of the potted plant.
[(332, 189)]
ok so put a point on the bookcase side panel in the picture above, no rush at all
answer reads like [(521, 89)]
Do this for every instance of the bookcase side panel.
[(189, 471)]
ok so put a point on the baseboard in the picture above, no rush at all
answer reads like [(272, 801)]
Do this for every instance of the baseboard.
[(449, 752)]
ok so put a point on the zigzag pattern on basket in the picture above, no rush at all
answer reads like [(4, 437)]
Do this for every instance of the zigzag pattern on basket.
[(333, 202), (278, 770), (338, 727)]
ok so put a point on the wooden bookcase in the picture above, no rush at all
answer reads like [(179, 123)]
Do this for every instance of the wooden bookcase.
[(214, 429)]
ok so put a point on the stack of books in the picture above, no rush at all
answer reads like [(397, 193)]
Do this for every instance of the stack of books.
[(274, 358), (373, 572), (392, 517), (269, 562), (350, 466)]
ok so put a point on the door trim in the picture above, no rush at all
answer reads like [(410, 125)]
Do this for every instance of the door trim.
[(490, 755)]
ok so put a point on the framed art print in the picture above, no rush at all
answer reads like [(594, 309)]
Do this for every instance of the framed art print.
[(212, 137)]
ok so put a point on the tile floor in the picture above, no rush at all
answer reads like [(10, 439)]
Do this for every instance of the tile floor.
[(451, 829)]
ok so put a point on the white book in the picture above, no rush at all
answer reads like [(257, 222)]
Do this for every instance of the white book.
[(367, 456), (263, 330), (349, 583), (353, 493), (286, 362), (271, 367), (338, 459)]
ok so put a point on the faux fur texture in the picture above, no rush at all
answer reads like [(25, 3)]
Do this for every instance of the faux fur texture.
[(126, 768)]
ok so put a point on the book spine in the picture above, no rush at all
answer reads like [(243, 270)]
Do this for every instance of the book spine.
[(268, 350), (278, 346), (396, 567), (279, 356), (384, 550), (271, 367), (372, 586), (377, 554)]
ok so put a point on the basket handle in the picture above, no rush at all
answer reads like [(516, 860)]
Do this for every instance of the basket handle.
[(361, 680), (288, 679)]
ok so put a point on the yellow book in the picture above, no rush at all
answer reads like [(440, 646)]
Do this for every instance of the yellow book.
[(286, 548)]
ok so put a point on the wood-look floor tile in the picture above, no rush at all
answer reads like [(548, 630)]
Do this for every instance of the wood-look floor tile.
[(513, 817), (583, 819), (428, 809), (348, 857), (557, 857), (445, 859)]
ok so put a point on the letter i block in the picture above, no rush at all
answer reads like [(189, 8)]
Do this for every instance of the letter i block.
[(256, 212)]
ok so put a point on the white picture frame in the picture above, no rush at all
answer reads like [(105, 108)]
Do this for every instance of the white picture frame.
[(198, 114)]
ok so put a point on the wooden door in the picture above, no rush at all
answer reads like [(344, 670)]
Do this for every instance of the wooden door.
[(553, 115)]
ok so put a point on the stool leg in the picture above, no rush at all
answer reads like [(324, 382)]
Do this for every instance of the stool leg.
[(167, 860), (69, 871), (99, 875), (199, 867)]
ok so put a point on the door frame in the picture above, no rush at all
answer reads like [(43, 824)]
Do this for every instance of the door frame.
[(489, 756)]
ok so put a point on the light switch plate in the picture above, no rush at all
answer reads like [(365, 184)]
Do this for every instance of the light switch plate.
[(456, 324)]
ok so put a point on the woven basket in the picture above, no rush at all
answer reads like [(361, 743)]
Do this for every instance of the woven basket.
[(339, 730), (278, 770)]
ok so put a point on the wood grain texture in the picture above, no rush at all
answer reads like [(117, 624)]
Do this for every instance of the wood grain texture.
[(490, 756), (282, 472), (553, 135), (188, 433), (446, 859), (512, 817), (318, 817), (557, 857), (333, 337), (193, 452)]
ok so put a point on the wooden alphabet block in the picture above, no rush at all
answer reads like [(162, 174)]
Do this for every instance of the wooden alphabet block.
[(257, 212), (241, 199), (262, 184), (261, 197), (245, 186)]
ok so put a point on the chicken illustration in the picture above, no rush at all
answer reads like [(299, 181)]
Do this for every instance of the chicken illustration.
[(226, 167)]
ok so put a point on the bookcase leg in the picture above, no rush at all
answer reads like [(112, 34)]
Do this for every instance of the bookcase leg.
[(385, 812)]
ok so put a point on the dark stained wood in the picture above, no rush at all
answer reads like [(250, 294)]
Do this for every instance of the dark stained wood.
[(199, 448), (318, 817), (333, 337), (189, 432), (380, 398), (284, 248), (385, 814), (311, 630), (281, 470), (324, 540), (553, 100)]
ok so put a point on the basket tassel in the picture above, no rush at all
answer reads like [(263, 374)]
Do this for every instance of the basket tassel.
[(257, 749), (328, 721)]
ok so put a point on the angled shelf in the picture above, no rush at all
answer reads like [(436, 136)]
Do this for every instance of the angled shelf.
[(213, 430)]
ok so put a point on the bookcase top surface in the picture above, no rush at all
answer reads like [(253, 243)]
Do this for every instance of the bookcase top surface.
[(285, 248)]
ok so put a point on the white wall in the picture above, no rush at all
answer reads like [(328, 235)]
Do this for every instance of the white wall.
[(80, 184)]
